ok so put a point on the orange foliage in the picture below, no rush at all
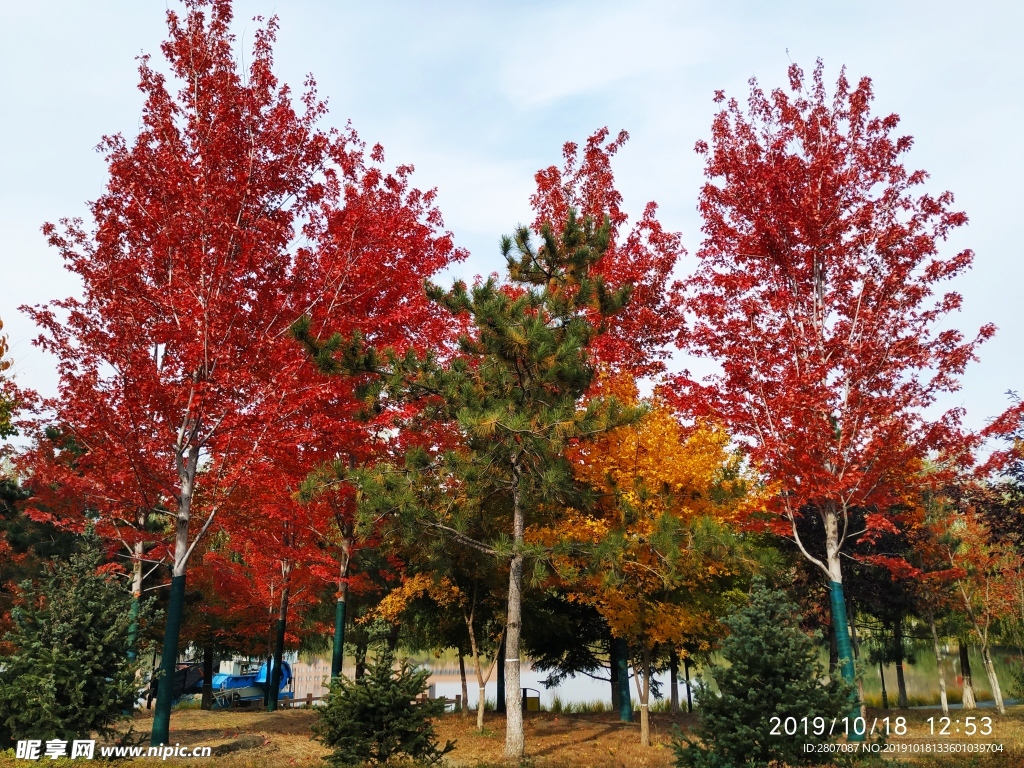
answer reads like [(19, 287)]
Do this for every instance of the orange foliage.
[(634, 554)]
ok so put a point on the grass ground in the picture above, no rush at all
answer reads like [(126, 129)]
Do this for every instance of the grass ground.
[(590, 740)]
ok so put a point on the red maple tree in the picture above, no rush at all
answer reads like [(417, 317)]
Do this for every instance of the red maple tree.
[(230, 215), (817, 291)]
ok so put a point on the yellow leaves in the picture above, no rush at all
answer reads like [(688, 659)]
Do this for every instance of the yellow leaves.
[(655, 622), (444, 593), (657, 465), (657, 484)]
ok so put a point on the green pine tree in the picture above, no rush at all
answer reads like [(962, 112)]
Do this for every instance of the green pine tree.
[(515, 395), (772, 671), (377, 717), (69, 675)]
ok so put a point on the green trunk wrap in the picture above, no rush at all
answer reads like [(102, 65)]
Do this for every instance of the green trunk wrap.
[(625, 696), (338, 657), (168, 663), (841, 625)]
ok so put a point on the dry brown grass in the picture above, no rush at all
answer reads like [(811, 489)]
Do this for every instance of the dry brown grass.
[(584, 740)]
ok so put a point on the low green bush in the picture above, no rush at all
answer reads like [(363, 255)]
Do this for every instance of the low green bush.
[(378, 718), (772, 674)]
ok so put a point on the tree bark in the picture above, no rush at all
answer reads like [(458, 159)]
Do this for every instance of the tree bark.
[(993, 681), (515, 740), (981, 630), (465, 687), (613, 672), (645, 692), (393, 635), (969, 701), (881, 676), (499, 693), (943, 699), (839, 620), (186, 463), (338, 654), (689, 693), (625, 699), (481, 678), (274, 673), (901, 681), (673, 679), (133, 627)]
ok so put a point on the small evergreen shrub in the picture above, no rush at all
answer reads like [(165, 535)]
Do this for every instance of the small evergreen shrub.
[(772, 671), (69, 675), (374, 719)]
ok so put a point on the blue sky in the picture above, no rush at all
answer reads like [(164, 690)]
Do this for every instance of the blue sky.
[(478, 96)]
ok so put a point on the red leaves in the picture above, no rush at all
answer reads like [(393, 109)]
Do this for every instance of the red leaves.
[(815, 292), (637, 338), (230, 215)]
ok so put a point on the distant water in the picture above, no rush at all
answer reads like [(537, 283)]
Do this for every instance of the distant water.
[(577, 689)]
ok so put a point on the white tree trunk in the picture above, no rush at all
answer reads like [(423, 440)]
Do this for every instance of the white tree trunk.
[(938, 665), (645, 693), (515, 739), (993, 681)]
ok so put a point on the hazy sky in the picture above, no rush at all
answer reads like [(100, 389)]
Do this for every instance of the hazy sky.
[(478, 96)]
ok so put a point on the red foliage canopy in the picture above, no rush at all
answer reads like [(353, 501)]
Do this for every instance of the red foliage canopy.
[(230, 215), (816, 291)]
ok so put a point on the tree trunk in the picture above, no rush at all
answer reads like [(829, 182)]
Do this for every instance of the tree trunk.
[(360, 659), (625, 699), (686, 674), (969, 701), (673, 680), (993, 681), (481, 704), (160, 734), (943, 698), (154, 671), (499, 693), (465, 687), (186, 464), (901, 681), (645, 692), (515, 739), (207, 702), (274, 673), (881, 676), (338, 654), (393, 634), (839, 621), (481, 679), (613, 672), (133, 626)]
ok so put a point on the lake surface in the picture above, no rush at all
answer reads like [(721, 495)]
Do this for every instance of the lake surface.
[(578, 689), (921, 678)]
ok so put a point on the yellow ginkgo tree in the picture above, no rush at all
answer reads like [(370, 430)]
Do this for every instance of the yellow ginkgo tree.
[(655, 550)]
